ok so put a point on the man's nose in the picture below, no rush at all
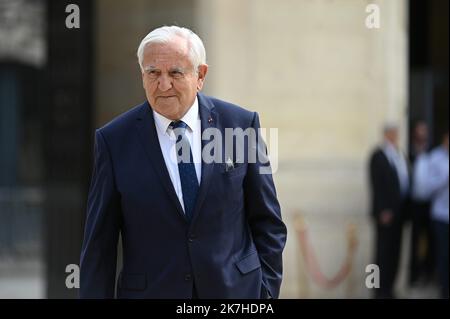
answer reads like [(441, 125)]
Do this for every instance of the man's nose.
[(164, 82)]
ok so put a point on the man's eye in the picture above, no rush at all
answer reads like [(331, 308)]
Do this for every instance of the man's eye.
[(152, 73), (177, 74)]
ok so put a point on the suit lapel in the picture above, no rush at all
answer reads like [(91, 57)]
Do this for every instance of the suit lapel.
[(391, 165), (209, 119), (149, 139)]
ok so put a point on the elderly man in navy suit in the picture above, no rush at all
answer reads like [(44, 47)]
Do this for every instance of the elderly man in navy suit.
[(191, 227), (390, 189)]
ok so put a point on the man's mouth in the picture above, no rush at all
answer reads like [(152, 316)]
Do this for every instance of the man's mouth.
[(166, 97)]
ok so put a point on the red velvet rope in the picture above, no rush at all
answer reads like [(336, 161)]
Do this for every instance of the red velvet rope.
[(312, 264)]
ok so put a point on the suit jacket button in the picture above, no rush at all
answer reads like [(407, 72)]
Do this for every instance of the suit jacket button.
[(188, 277), (191, 238)]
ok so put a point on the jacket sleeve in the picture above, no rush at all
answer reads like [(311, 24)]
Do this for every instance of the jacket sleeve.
[(264, 218), (102, 227)]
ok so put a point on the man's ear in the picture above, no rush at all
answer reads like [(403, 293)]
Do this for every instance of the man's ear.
[(202, 70)]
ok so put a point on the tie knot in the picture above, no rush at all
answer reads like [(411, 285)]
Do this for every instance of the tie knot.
[(178, 124)]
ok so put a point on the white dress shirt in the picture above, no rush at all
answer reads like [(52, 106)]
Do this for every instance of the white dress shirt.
[(167, 140), (438, 183)]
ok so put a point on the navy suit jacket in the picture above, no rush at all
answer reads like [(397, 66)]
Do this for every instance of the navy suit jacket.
[(233, 246), (385, 187)]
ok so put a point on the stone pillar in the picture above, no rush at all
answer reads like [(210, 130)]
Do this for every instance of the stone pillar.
[(67, 142)]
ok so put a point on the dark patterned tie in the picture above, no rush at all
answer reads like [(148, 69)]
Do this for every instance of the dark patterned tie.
[(186, 168)]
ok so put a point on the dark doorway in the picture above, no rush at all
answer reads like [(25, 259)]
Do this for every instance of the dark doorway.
[(428, 63), (68, 140)]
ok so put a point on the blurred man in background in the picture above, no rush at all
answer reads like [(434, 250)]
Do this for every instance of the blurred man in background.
[(421, 263), (389, 180)]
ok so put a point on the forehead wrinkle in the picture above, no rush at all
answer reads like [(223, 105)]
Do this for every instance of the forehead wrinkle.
[(172, 47), (166, 64), (165, 52)]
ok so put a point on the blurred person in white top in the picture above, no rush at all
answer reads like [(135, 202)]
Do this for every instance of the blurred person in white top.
[(437, 182), (421, 262)]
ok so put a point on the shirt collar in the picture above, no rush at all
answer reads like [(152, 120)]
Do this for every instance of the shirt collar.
[(389, 147), (390, 151), (191, 118)]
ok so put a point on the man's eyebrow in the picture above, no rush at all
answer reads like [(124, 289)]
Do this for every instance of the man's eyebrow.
[(176, 69), (173, 69), (150, 68)]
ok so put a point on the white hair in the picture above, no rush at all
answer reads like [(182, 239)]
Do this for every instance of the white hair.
[(389, 127), (165, 34)]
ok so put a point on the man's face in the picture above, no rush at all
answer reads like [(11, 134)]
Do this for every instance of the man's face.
[(445, 143), (421, 132), (169, 79), (392, 136)]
